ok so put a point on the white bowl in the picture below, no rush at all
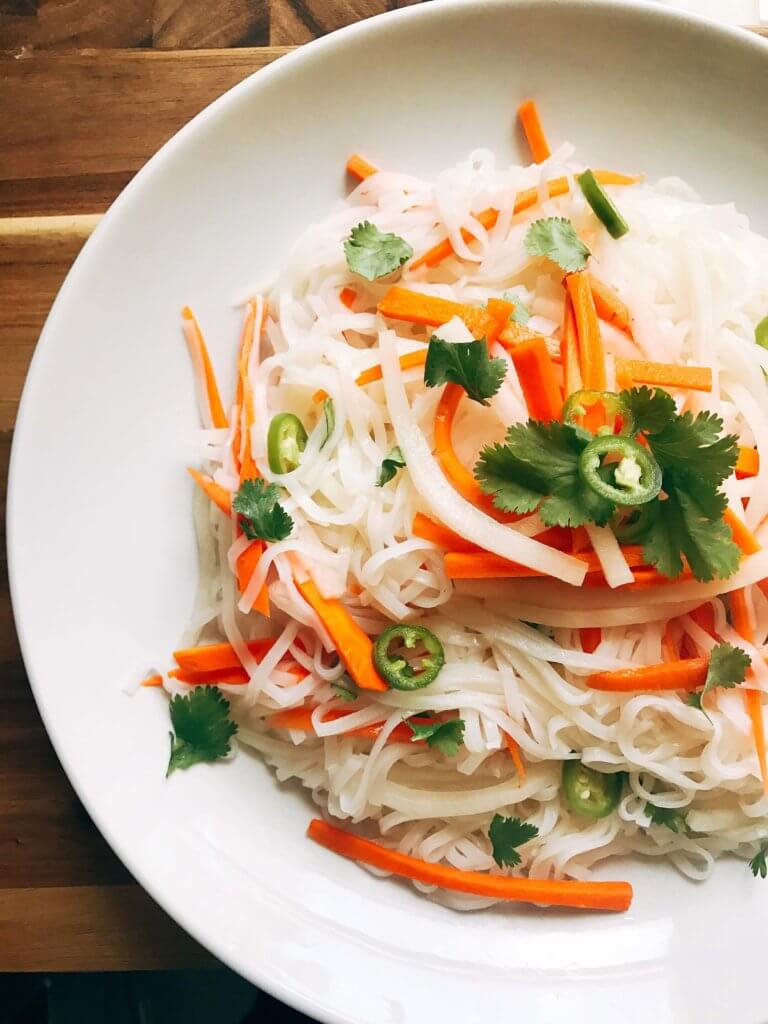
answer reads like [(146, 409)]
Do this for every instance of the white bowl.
[(101, 547)]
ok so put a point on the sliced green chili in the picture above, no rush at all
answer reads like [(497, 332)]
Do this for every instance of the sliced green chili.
[(761, 333), (632, 525), (636, 474), (614, 404), (286, 440), (589, 792), (396, 669), (604, 207)]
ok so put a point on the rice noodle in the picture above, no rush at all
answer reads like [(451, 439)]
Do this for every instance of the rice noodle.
[(694, 277)]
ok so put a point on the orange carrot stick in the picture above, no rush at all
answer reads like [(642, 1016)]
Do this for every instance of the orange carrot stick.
[(584, 895), (569, 351), (348, 296), (669, 644), (374, 373), (514, 333), (359, 167), (247, 563), (199, 352), (428, 529), (472, 565), (591, 356), (538, 380), (609, 306), (300, 719), (591, 637), (666, 375), (353, 645), (246, 342), (704, 616), (220, 497), (417, 308), (742, 535), (152, 681), (514, 752), (748, 463), (215, 657), (526, 199), (528, 113), (499, 310), (686, 674)]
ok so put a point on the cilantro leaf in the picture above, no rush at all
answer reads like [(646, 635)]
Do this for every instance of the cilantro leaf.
[(521, 313), (692, 449), (684, 527), (651, 409), (392, 461), (329, 415), (466, 363), (345, 689), (372, 253), (671, 817), (538, 466), (727, 668), (693, 700), (758, 865), (263, 517), (506, 834), (202, 728), (446, 737), (556, 238)]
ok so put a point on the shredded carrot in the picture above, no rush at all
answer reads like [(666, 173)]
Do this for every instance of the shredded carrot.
[(514, 333), (591, 638), (247, 563), (562, 893), (591, 356), (353, 645), (300, 719), (417, 308), (220, 497), (579, 540), (359, 167), (374, 373), (428, 529), (666, 375), (528, 113), (525, 200), (538, 380), (514, 752), (473, 565), (669, 643), (499, 310), (742, 535), (748, 463), (246, 341), (569, 351), (753, 703), (684, 674), (152, 681), (609, 306), (199, 351), (214, 657), (225, 676), (704, 616), (740, 615), (348, 297)]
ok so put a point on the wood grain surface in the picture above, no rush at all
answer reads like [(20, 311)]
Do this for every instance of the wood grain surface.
[(89, 89)]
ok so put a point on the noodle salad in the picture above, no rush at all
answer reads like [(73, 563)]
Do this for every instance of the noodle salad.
[(481, 532)]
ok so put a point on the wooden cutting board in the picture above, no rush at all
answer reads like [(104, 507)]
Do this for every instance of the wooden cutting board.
[(89, 89)]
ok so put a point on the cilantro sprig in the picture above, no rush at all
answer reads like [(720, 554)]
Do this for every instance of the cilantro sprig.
[(670, 817), (373, 254), (446, 737), (465, 363), (556, 239), (506, 834), (202, 728), (727, 668), (758, 865), (390, 464), (262, 515)]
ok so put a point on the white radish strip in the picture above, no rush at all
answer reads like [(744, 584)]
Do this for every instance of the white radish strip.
[(271, 659), (531, 526), (448, 506), (612, 561)]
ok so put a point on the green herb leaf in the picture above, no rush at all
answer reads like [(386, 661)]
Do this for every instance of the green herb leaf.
[(727, 668), (521, 314), (761, 336), (693, 700), (373, 254), (685, 527), (446, 737), (758, 865), (202, 728), (392, 461), (329, 415), (651, 409), (345, 689), (556, 238), (263, 517), (506, 834), (537, 467), (671, 817), (466, 363)]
